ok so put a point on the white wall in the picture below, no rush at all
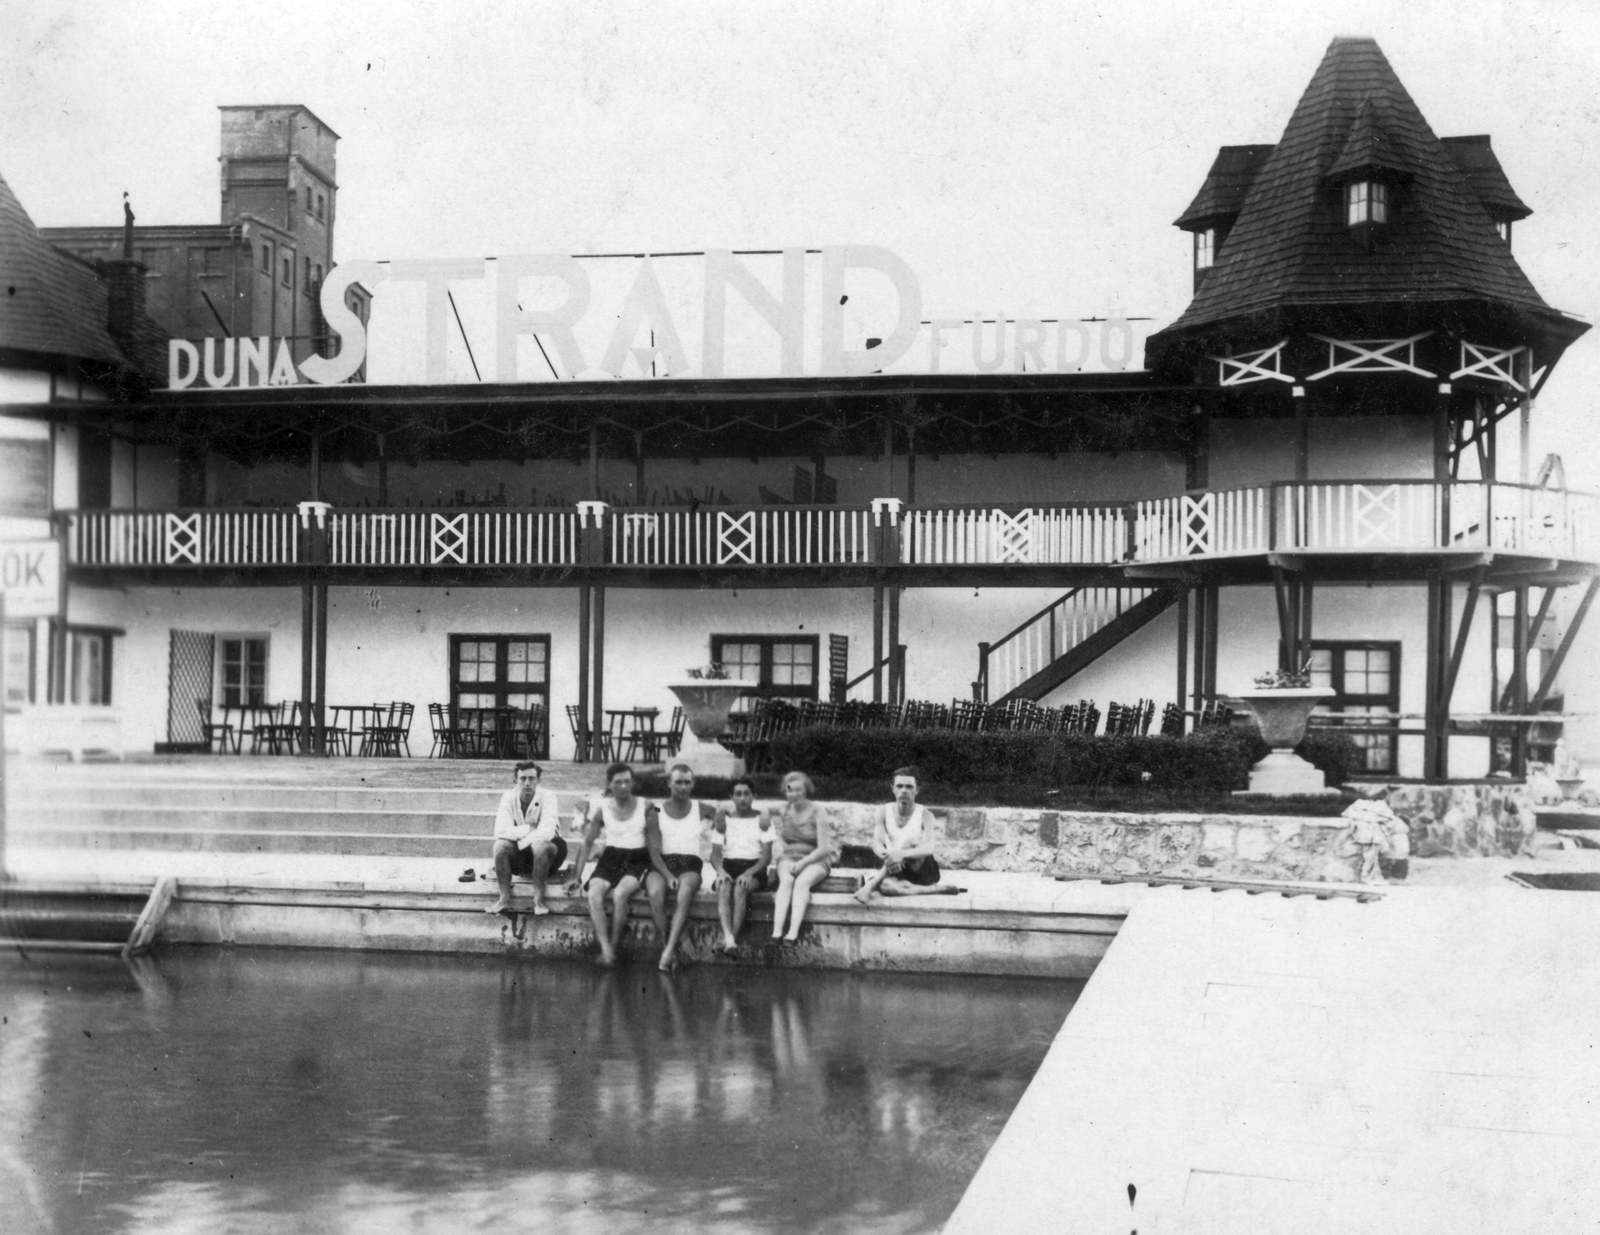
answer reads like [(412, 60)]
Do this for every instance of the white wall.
[(1257, 452)]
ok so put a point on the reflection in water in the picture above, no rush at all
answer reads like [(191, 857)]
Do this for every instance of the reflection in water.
[(253, 1091)]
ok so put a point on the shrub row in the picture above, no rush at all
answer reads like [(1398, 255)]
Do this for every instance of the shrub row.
[(1210, 761)]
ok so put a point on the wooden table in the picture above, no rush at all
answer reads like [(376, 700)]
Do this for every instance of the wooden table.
[(640, 736), (370, 713)]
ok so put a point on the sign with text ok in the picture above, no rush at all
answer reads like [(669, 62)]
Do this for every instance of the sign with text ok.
[(30, 576)]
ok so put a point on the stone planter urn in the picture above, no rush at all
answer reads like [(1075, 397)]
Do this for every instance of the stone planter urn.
[(706, 704), (1282, 713)]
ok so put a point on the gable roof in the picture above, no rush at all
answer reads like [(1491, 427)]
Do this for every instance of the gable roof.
[(52, 305), (1222, 195), (1290, 246)]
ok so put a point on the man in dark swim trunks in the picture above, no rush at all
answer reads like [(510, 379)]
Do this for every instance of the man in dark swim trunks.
[(741, 852), (629, 827), (903, 840), (527, 838)]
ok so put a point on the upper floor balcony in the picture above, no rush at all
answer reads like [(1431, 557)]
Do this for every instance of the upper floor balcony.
[(1341, 525)]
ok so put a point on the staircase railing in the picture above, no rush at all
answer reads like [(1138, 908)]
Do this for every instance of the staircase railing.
[(1052, 632)]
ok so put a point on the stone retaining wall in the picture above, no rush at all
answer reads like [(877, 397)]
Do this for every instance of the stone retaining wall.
[(1443, 820)]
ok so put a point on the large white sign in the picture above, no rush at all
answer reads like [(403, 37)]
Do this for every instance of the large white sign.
[(845, 311), (30, 577)]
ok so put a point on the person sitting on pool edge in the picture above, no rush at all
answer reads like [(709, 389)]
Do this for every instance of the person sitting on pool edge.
[(527, 838), (629, 827), (680, 828), (741, 852), (902, 837), (804, 829)]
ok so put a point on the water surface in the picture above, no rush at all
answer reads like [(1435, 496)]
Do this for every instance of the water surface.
[(259, 1090)]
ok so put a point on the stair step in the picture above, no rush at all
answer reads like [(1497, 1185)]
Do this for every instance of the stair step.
[(67, 924)]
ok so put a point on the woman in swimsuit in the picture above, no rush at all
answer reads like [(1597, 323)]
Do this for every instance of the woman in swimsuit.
[(675, 855), (629, 825), (807, 854)]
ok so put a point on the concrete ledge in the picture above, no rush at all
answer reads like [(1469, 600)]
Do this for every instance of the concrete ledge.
[(839, 934)]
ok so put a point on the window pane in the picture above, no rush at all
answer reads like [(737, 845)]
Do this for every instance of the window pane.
[(1380, 203), (19, 660), (468, 671), (517, 671), (1322, 668), (523, 700), (475, 701), (516, 652)]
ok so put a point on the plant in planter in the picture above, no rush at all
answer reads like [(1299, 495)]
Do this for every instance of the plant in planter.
[(707, 695), (1282, 701)]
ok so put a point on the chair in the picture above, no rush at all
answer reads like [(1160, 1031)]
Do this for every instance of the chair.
[(580, 735), (530, 734), (387, 738), (220, 734), (673, 737), (1172, 721), (446, 736), (281, 733)]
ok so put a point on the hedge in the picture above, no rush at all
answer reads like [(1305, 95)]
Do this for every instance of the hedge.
[(1210, 761)]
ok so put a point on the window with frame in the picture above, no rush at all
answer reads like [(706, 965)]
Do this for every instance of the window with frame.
[(211, 261), (1365, 679), (242, 671), (266, 260), (499, 671), (89, 666), (309, 205), (321, 206), (1205, 248), (305, 283), (1366, 201), (19, 664), (776, 666), (288, 271)]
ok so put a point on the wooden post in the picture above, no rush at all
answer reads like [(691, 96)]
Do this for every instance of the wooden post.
[(319, 708), (308, 646), (1199, 648), (895, 685), (1519, 683), (1432, 653), (1183, 646), (878, 607), (911, 465), (1286, 629), (581, 750), (888, 457), (144, 930), (1548, 681), (594, 462), (598, 728), (1213, 608)]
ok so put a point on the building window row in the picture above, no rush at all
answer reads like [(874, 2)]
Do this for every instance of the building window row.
[(316, 204)]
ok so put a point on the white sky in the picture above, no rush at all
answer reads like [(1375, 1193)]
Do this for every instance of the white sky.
[(1025, 158)]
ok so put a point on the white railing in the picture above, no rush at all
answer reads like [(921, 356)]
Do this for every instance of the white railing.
[(1039, 535), (1053, 632), (489, 537), (1358, 516), (1545, 522), (1216, 524), (734, 536), (217, 537)]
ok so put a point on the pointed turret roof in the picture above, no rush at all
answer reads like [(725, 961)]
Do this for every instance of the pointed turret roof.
[(50, 305), (1290, 249)]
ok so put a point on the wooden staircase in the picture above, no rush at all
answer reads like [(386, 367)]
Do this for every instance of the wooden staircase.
[(1065, 638), (54, 918)]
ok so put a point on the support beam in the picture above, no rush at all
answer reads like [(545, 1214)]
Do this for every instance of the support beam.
[(877, 643), (594, 463), (1200, 612), (896, 686), (1433, 727), (1183, 646), (1519, 683), (911, 465), (598, 728), (1548, 680), (321, 685), (1286, 627), (308, 660), (1447, 687), (580, 753), (1213, 622)]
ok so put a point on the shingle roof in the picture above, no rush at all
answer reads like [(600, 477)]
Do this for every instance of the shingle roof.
[(1475, 159), (50, 304), (1222, 195), (1369, 148), (1290, 245)]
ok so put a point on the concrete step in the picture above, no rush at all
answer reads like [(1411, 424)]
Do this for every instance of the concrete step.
[(473, 847), (267, 797), (91, 927), (419, 823)]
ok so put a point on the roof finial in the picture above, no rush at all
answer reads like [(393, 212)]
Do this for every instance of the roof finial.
[(127, 227)]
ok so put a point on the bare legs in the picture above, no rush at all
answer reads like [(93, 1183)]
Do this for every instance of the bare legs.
[(543, 856), (610, 936), (794, 896), (688, 885), (733, 898), (503, 849)]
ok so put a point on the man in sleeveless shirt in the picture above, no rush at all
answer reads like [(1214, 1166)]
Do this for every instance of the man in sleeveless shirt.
[(527, 838), (902, 837), (627, 825), (681, 824), (741, 852)]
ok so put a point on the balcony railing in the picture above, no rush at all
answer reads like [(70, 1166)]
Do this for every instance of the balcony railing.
[(1322, 517)]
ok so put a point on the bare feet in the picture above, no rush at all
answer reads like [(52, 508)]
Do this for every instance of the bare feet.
[(501, 905), (668, 964), (607, 960), (864, 895), (540, 909)]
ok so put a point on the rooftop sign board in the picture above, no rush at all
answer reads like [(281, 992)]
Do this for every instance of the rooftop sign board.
[(844, 311)]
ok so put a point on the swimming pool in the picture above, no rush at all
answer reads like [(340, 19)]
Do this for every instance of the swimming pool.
[(255, 1090)]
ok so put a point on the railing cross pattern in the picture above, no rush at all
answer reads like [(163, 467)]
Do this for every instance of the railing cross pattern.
[(1197, 520), (1371, 356), (1249, 367), (183, 538), (1498, 363), (449, 538), (1013, 536), (736, 537), (1377, 514)]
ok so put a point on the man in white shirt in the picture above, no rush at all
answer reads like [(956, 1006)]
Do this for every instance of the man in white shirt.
[(527, 838)]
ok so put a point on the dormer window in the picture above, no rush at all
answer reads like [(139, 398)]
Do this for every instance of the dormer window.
[(1366, 201), (1205, 248)]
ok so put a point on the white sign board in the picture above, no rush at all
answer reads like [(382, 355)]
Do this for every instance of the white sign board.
[(30, 577)]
